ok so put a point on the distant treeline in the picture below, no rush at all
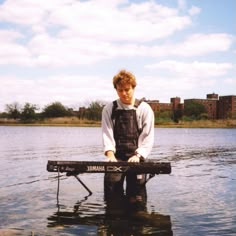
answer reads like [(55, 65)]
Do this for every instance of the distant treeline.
[(29, 113)]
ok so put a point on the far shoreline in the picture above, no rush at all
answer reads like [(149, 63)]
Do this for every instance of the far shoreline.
[(75, 122)]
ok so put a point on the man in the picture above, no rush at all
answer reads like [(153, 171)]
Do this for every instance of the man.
[(128, 132)]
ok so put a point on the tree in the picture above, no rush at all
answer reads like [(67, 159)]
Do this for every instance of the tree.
[(94, 111), (3, 115), (13, 110), (194, 109), (55, 109), (177, 115), (28, 113)]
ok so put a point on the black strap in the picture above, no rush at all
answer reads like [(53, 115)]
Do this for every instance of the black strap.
[(137, 102), (115, 105)]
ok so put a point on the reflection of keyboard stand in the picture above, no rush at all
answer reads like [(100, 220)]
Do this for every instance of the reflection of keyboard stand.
[(74, 168), (126, 219)]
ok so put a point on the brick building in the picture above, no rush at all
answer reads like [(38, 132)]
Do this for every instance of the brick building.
[(217, 107), (159, 107), (227, 107), (210, 104)]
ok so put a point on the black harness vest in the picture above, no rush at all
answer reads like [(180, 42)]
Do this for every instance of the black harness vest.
[(126, 131)]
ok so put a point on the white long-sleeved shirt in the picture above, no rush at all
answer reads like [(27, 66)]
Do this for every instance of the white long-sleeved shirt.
[(145, 119)]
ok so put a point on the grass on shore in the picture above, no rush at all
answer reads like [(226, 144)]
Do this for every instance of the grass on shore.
[(75, 121), (59, 121), (199, 124)]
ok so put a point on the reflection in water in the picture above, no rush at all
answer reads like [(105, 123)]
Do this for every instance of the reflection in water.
[(123, 215)]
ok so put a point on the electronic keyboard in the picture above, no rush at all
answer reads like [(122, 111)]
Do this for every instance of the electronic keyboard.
[(77, 167)]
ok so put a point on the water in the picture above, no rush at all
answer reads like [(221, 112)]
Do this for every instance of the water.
[(197, 198)]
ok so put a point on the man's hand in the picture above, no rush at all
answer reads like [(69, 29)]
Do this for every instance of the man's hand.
[(111, 156), (134, 159), (111, 159)]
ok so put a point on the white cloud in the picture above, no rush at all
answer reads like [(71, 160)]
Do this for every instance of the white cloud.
[(163, 88), (135, 22), (141, 22), (230, 81), (45, 50), (69, 32), (194, 11), (10, 51), (182, 4), (194, 69), (9, 35), (69, 90), (200, 44)]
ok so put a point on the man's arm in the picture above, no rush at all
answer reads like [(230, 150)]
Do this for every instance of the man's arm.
[(107, 133), (146, 138)]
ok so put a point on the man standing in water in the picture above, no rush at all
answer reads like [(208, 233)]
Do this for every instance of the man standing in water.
[(128, 133)]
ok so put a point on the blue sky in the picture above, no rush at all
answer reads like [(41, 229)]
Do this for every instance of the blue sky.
[(69, 50)]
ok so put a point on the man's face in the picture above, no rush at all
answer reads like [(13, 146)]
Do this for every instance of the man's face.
[(125, 93)]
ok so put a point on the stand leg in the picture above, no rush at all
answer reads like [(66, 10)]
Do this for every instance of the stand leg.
[(58, 187), (150, 176), (82, 183)]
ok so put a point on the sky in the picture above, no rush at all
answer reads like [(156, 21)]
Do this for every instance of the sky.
[(69, 50)]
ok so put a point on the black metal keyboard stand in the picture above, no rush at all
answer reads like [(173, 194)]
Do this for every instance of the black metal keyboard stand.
[(83, 184), (77, 177)]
